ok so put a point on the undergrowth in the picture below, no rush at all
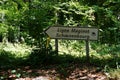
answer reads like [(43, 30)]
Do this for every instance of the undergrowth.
[(13, 55)]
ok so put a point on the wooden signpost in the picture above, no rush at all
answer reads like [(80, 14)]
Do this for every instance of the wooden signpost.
[(74, 33)]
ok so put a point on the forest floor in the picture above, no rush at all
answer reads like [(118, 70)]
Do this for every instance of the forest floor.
[(54, 72)]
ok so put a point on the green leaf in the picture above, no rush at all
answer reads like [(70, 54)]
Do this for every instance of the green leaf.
[(13, 71), (18, 75)]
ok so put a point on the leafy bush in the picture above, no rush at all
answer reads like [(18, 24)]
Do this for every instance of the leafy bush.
[(19, 50), (114, 74)]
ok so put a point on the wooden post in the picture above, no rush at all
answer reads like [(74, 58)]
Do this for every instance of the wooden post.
[(87, 51), (56, 46), (56, 40)]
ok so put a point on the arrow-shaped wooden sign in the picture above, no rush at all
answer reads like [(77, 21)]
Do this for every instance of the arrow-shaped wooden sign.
[(75, 33)]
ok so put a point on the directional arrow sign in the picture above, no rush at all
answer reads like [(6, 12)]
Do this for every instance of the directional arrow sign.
[(75, 33)]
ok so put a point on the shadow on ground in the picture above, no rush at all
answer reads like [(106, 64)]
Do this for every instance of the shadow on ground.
[(55, 67)]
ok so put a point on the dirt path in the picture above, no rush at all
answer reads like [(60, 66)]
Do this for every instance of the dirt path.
[(53, 72)]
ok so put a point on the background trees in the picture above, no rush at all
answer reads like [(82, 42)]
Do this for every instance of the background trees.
[(25, 21), (30, 18)]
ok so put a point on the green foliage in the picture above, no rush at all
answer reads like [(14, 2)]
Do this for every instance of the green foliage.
[(105, 18), (13, 54), (114, 74), (11, 17), (29, 19), (73, 14), (3, 29), (107, 49), (39, 19), (26, 21)]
